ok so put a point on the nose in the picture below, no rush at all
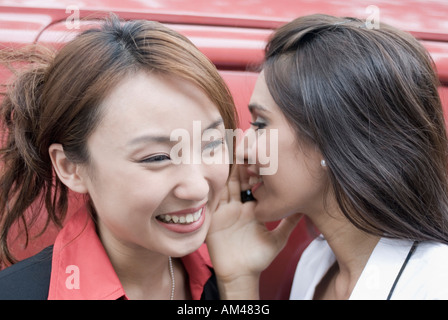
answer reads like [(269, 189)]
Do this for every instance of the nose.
[(192, 183), (246, 148)]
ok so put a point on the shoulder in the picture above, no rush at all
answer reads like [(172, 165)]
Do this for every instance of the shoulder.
[(426, 273), (202, 279), (432, 250), (431, 258), (28, 279)]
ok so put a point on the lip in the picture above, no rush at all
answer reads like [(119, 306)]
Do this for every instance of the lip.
[(186, 211), (256, 186), (185, 228)]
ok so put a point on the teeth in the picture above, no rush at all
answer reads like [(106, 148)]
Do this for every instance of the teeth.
[(189, 218), (254, 180)]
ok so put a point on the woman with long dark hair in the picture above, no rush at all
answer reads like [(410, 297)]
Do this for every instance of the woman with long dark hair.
[(362, 153)]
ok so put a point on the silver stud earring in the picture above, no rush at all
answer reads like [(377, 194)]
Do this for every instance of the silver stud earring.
[(323, 163)]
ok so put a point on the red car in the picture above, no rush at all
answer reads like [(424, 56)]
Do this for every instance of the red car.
[(233, 35)]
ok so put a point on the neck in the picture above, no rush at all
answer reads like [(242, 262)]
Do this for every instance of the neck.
[(351, 246), (144, 274)]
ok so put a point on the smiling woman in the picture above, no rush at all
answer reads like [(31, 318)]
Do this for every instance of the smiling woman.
[(90, 119)]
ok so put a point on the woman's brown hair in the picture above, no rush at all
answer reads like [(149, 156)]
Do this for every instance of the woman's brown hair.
[(368, 100), (57, 99)]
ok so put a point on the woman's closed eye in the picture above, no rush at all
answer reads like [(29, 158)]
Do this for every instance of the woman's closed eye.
[(214, 144), (158, 158), (259, 123), (161, 158)]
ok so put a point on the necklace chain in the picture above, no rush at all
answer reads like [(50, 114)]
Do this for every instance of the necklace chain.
[(173, 283)]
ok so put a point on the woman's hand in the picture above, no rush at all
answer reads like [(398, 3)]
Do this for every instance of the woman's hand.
[(240, 246)]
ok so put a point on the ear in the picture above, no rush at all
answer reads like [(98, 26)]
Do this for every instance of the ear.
[(68, 172)]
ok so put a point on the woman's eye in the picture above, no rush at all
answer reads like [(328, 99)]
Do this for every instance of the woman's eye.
[(214, 144), (259, 125), (156, 158)]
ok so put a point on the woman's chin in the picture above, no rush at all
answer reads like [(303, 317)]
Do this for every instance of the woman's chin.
[(269, 213)]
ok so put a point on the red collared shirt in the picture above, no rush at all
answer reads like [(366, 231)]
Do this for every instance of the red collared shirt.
[(81, 268)]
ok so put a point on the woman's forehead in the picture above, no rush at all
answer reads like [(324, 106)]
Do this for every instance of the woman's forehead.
[(162, 103)]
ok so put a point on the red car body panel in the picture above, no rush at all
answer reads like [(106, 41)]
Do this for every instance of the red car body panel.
[(233, 35)]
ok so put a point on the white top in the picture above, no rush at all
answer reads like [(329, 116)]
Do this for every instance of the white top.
[(424, 277)]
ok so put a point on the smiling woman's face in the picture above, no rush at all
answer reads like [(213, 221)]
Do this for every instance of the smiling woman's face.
[(142, 198)]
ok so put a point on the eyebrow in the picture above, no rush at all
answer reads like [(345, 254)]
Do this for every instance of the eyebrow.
[(215, 124), (255, 106), (167, 139)]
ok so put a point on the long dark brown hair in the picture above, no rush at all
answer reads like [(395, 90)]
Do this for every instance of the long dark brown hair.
[(367, 98), (57, 98)]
